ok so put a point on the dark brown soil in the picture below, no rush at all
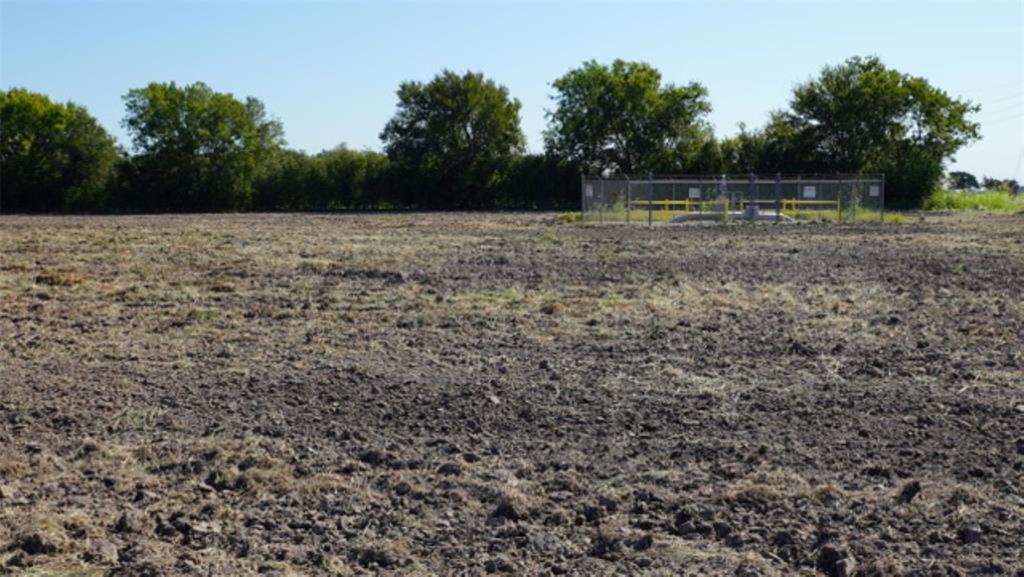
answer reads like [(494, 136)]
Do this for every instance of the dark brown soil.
[(470, 394)]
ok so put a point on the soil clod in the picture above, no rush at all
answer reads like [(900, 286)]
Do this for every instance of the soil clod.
[(908, 492), (970, 534)]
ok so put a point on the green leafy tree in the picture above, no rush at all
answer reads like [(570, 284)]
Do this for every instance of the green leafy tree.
[(995, 184), (959, 180), (744, 153), (335, 179), (196, 149), (989, 183), (290, 180), (53, 156), (453, 139), (354, 178), (861, 116), (621, 118), (539, 181), (705, 158)]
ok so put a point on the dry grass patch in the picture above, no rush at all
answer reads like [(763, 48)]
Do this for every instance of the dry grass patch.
[(59, 278)]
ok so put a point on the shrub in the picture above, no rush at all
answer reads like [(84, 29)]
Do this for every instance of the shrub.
[(960, 200)]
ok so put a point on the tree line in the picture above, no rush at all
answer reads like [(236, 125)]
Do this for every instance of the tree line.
[(455, 142), (959, 180)]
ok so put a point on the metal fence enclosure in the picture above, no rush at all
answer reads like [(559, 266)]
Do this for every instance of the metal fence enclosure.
[(652, 198)]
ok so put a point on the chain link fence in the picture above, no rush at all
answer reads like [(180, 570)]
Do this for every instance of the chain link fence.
[(663, 199)]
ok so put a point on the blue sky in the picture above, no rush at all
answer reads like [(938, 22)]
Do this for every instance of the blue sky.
[(329, 70)]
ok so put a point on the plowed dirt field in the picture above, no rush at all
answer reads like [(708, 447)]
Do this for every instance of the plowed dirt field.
[(472, 393)]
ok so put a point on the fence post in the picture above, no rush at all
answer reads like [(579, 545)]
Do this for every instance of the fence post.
[(799, 195), (604, 200), (700, 199), (728, 195), (839, 197), (650, 200), (752, 191), (882, 192), (583, 197), (629, 199), (778, 196)]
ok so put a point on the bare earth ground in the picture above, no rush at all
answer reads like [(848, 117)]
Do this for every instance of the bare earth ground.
[(463, 394)]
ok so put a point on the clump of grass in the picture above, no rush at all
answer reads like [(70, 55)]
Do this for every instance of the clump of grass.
[(618, 213), (552, 308), (196, 316), (58, 278), (571, 217), (866, 215), (222, 287), (507, 297), (382, 554), (199, 315), (962, 200), (811, 215), (255, 465), (550, 238)]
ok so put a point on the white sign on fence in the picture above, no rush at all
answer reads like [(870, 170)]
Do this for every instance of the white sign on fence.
[(694, 192), (589, 190), (874, 190), (810, 192)]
